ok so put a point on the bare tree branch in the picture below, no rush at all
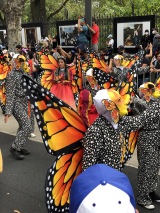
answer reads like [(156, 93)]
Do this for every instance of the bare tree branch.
[(57, 11)]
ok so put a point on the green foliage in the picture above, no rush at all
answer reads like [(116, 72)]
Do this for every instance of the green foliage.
[(73, 8)]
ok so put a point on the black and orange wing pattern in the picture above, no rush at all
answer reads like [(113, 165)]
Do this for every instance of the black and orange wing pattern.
[(127, 86), (48, 64), (60, 177), (104, 80), (157, 83), (62, 130), (100, 64), (128, 140), (5, 68)]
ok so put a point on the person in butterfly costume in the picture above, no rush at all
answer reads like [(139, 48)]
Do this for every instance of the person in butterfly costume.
[(148, 143), (119, 67), (62, 86), (103, 141), (17, 105)]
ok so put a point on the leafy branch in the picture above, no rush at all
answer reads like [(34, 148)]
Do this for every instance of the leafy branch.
[(57, 11)]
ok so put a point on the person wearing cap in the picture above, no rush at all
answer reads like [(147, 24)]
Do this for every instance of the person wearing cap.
[(63, 82), (110, 41), (145, 39), (110, 46), (101, 188), (17, 105), (148, 143)]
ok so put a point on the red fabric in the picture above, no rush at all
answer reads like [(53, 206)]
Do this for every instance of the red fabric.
[(86, 109), (95, 36), (30, 63), (64, 92)]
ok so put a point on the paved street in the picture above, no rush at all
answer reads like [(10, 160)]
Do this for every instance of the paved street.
[(22, 182)]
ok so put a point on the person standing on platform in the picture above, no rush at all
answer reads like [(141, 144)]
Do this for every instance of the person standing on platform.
[(95, 35)]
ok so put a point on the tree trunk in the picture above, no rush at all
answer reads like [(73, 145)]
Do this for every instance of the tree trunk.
[(38, 12), (13, 13), (14, 31)]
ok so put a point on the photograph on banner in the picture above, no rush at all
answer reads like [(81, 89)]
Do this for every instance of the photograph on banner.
[(131, 33), (128, 31), (67, 36)]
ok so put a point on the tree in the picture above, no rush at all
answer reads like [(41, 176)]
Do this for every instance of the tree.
[(38, 10), (12, 11)]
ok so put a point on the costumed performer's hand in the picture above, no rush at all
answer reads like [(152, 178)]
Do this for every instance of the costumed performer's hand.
[(6, 117)]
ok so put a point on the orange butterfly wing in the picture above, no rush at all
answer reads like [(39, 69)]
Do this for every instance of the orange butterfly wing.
[(48, 62), (46, 79), (66, 168), (60, 126), (104, 80), (100, 64), (157, 84), (129, 142), (62, 130), (4, 70)]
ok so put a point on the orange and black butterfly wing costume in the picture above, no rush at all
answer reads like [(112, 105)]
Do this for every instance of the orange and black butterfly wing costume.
[(62, 130), (60, 177), (100, 64), (5, 68), (157, 83), (104, 80), (128, 140), (48, 64)]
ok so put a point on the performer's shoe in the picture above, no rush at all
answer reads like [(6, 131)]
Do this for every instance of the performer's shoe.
[(150, 206), (25, 152), (17, 154), (32, 135), (155, 197)]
